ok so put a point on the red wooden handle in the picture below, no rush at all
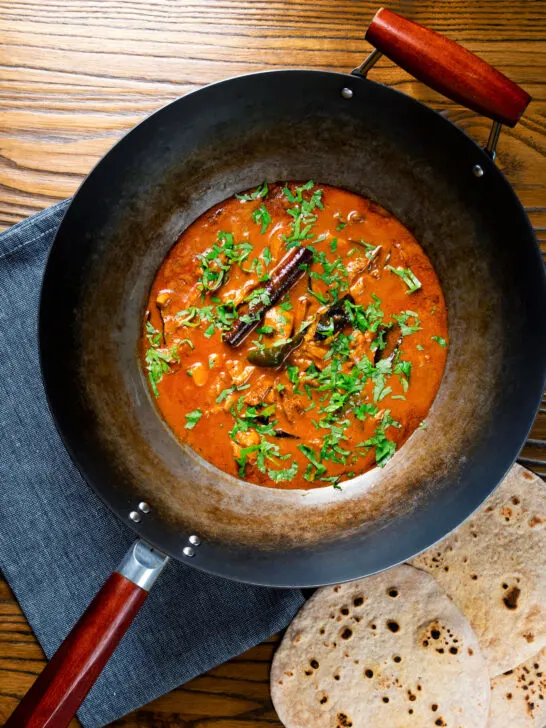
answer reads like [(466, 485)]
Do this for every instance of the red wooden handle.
[(447, 67), (58, 692)]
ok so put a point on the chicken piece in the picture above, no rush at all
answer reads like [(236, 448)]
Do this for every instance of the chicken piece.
[(360, 346), (281, 321), (276, 240), (260, 391), (310, 350), (291, 404), (214, 361), (238, 372), (163, 298), (238, 295), (220, 383), (245, 439), (300, 311), (199, 373), (302, 362)]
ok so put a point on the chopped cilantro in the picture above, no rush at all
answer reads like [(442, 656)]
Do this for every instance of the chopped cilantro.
[(224, 394), (293, 374), (216, 262), (157, 358), (368, 318), (403, 369), (302, 213), (315, 468), (320, 298), (258, 193), (282, 475), (363, 411), (192, 418), (262, 217), (408, 276), (439, 340), (333, 245), (384, 448), (209, 331), (406, 328), (188, 315), (265, 330)]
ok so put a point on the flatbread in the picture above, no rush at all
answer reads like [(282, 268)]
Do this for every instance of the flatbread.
[(494, 569), (518, 698), (389, 651)]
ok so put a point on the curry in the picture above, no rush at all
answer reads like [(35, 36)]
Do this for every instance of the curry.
[(295, 336)]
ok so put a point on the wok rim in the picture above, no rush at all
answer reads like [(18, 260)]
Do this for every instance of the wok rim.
[(142, 529)]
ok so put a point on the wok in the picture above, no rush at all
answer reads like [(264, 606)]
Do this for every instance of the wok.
[(346, 131)]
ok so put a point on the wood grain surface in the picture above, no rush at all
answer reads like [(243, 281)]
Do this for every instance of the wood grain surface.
[(75, 75)]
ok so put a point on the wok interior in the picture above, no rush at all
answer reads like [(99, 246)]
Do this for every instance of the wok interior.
[(230, 137)]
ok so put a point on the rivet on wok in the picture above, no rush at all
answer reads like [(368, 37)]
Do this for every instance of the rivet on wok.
[(135, 516), (347, 93), (194, 540), (188, 551), (144, 507), (477, 171)]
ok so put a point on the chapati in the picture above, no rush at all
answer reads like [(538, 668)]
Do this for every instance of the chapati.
[(388, 651), (518, 698), (494, 569)]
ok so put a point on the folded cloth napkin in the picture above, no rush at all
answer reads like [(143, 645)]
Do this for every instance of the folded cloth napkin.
[(58, 542)]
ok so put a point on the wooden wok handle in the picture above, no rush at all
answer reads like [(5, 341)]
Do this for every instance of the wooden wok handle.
[(60, 689), (447, 67)]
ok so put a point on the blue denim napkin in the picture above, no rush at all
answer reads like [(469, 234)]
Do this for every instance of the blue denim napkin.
[(58, 542)]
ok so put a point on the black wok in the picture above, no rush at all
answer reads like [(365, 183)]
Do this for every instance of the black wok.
[(346, 131)]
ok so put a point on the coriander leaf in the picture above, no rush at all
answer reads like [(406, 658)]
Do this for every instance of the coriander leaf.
[(265, 330), (157, 359), (261, 216), (192, 418), (363, 411), (406, 274), (210, 331), (293, 374), (384, 448), (258, 193), (402, 319), (439, 340), (312, 456), (282, 475)]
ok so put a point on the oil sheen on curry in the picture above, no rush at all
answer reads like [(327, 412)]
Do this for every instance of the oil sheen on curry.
[(295, 336)]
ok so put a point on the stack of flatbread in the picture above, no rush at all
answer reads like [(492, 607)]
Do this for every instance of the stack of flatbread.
[(457, 639)]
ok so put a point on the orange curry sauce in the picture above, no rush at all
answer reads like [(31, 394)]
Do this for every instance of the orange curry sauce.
[(358, 383)]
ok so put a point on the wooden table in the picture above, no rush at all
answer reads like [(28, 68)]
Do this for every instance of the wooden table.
[(74, 76)]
